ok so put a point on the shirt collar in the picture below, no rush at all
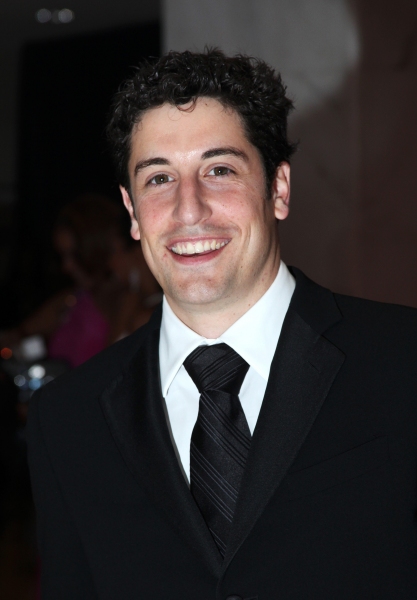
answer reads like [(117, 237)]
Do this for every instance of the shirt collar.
[(254, 336)]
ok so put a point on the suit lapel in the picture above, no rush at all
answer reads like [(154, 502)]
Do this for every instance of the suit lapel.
[(133, 407), (302, 372)]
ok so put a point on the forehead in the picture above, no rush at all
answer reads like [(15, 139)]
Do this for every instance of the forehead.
[(206, 122)]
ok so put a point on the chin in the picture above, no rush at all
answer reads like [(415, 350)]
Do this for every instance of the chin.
[(198, 294)]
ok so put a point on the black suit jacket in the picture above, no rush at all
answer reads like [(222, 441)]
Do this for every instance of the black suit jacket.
[(327, 507)]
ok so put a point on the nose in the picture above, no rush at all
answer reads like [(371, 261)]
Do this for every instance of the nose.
[(191, 206)]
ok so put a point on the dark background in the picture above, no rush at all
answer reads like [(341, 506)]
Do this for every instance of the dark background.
[(66, 89)]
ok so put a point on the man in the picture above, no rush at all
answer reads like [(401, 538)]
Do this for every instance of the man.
[(257, 439)]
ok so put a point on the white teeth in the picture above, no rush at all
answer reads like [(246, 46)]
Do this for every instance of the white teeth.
[(198, 247)]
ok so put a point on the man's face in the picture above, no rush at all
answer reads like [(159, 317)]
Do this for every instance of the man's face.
[(207, 231)]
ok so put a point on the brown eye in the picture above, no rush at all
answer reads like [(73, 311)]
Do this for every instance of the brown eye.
[(219, 171), (161, 178)]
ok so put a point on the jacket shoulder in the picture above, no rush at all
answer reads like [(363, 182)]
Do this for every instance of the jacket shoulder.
[(393, 317), (312, 301), (357, 324)]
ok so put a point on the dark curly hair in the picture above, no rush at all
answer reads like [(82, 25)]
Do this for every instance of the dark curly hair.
[(247, 85)]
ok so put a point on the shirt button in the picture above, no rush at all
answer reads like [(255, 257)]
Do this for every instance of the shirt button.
[(234, 597)]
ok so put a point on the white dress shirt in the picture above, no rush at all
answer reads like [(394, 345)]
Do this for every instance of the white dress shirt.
[(254, 336)]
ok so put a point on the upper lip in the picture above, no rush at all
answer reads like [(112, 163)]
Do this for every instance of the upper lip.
[(197, 238)]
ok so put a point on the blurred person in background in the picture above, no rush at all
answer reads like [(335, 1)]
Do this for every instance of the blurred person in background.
[(78, 320), (111, 284)]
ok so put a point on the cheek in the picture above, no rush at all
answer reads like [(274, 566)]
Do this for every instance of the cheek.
[(150, 219), (247, 213), (155, 253), (235, 208)]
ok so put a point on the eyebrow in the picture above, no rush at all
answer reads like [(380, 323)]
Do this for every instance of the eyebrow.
[(223, 151), (212, 153), (149, 162)]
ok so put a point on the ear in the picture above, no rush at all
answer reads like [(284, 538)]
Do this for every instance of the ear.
[(134, 230), (281, 191)]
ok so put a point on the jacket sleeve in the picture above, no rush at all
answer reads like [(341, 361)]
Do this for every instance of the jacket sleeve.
[(64, 570)]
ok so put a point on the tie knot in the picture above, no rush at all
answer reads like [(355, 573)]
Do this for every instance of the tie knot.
[(216, 367)]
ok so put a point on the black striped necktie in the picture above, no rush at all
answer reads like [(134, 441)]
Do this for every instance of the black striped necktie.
[(221, 438)]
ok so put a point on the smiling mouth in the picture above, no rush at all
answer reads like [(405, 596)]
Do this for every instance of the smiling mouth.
[(200, 247)]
